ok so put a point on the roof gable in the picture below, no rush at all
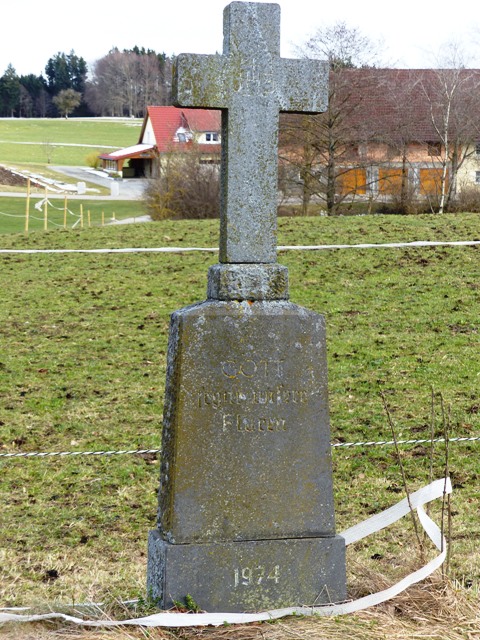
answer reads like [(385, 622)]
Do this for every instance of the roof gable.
[(396, 104), (165, 122)]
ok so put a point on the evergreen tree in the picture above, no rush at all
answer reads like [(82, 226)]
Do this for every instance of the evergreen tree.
[(66, 72), (9, 93)]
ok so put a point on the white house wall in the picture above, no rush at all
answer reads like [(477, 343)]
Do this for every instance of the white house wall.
[(467, 174), (148, 135)]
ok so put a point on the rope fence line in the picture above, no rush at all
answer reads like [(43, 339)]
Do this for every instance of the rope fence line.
[(320, 247), (334, 445), (50, 222), (46, 205), (63, 454)]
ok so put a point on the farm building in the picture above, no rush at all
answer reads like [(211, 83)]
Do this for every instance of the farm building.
[(167, 130), (390, 133), (395, 133), (412, 125)]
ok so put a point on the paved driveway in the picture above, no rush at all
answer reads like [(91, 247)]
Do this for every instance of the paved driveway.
[(128, 188)]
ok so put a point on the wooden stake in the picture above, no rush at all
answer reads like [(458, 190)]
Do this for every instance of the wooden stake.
[(103, 218), (27, 207), (45, 212), (89, 219), (81, 216)]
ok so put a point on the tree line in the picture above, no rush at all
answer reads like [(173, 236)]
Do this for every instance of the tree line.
[(122, 83)]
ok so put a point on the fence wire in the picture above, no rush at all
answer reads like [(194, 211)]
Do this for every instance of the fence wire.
[(334, 445)]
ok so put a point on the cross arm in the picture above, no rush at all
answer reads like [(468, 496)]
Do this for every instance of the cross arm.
[(303, 86), (198, 81)]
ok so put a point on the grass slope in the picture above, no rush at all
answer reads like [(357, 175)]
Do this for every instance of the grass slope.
[(62, 141), (102, 131), (83, 366)]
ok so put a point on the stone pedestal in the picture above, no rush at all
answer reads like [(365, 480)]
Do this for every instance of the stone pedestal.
[(246, 518), (246, 514), (248, 576)]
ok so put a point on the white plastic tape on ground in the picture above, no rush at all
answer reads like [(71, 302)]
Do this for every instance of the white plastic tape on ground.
[(434, 490)]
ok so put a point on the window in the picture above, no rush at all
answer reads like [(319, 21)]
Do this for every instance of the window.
[(434, 148), (182, 135), (210, 160), (477, 177), (477, 149), (211, 136)]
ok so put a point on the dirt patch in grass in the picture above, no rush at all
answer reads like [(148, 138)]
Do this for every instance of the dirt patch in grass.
[(7, 178)]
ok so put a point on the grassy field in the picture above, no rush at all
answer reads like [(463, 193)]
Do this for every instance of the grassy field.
[(16, 135), (82, 368), (61, 141)]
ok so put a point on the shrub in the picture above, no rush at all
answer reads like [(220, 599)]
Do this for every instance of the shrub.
[(92, 160), (185, 188), (467, 200)]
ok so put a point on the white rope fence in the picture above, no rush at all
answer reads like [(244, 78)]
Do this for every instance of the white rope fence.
[(319, 247), (334, 445)]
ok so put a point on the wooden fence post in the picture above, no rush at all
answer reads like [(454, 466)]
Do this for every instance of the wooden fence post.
[(27, 207), (45, 211)]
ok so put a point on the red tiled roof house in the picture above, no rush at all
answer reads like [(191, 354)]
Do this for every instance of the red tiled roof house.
[(167, 130)]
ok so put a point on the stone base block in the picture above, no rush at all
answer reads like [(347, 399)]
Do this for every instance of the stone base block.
[(247, 282), (247, 576)]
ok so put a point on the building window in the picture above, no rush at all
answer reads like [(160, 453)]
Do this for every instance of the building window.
[(477, 149), (209, 160), (181, 137), (434, 148), (211, 136), (477, 177)]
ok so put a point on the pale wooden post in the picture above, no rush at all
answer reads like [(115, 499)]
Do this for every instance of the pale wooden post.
[(27, 207), (45, 211)]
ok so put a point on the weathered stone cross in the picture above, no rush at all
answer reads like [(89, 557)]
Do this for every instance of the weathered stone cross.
[(246, 514), (251, 84)]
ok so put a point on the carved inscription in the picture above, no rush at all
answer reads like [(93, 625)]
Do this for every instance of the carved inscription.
[(251, 396), (254, 576), (252, 423), (248, 368), (276, 396)]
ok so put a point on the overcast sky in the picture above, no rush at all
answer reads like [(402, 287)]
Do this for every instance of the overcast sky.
[(412, 30)]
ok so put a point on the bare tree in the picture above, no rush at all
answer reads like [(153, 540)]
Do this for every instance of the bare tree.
[(126, 82), (325, 144), (451, 92)]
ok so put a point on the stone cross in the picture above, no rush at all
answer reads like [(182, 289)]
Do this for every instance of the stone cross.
[(246, 516), (251, 84)]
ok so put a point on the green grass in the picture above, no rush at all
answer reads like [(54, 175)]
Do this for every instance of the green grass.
[(42, 141), (101, 131), (37, 155), (82, 367)]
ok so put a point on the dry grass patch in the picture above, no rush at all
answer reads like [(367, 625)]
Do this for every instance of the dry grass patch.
[(437, 609)]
